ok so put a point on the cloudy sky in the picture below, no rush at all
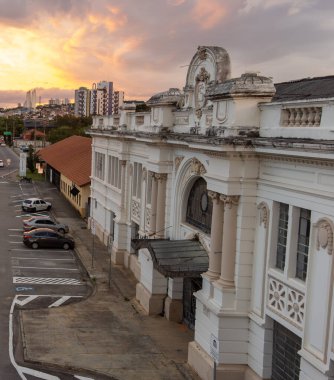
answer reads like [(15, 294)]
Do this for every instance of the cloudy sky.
[(144, 46)]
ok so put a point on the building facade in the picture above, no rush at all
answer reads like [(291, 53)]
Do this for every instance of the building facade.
[(101, 98), (82, 102), (220, 200)]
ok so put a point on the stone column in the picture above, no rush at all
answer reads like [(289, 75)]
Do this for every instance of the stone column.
[(216, 236), (123, 197), (161, 205), (229, 241), (154, 193)]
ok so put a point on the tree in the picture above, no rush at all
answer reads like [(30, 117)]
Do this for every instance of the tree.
[(31, 159)]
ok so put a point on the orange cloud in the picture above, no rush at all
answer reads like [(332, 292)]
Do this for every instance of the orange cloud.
[(208, 13)]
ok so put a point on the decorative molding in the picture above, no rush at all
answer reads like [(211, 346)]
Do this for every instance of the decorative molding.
[(178, 160), (297, 160), (135, 210), (161, 176), (202, 54), (148, 217), (214, 195), (264, 214), (287, 302), (325, 235), (197, 167), (230, 200)]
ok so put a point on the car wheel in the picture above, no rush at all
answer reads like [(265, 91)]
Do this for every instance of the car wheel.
[(49, 208), (34, 245), (61, 230), (66, 246)]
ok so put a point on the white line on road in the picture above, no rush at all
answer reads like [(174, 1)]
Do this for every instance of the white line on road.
[(38, 258), (23, 370), (60, 301), (18, 267), (15, 242), (83, 377), (15, 229), (46, 281), (42, 251)]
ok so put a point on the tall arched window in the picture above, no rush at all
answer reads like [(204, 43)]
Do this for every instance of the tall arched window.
[(199, 207)]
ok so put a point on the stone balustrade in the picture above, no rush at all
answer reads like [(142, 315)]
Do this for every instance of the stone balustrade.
[(301, 117)]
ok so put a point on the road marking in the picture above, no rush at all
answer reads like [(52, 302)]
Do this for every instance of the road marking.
[(23, 370), (17, 266), (41, 251), (60, 301), (38, 258), (15, 229), (22, 288), (15, 242), (83, 377), (46, 281)]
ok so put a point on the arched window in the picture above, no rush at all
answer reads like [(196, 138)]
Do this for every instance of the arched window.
[(199, 207)]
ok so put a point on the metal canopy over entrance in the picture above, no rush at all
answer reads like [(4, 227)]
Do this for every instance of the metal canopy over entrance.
[(176, 258)]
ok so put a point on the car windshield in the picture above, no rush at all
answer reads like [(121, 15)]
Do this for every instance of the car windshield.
[(28, 201)]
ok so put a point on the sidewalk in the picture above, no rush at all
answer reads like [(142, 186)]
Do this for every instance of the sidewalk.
[(107, 333)]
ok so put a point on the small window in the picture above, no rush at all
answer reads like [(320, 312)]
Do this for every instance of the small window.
[(282, 235), (303, 243)]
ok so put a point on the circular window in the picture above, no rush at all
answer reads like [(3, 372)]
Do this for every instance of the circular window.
[(204, 201)]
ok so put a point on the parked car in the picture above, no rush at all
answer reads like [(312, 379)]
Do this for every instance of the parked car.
[(47, 238), (24, 148), (3, 144), (1, 164), (40, 222), (35, 204)]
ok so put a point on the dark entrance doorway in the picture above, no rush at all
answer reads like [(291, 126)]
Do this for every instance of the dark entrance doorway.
[(190, 286), (286, 361)]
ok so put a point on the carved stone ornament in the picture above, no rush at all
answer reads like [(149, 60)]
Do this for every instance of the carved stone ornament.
[(264, 214), (202, 54), (325, 236), (161, 176), (178, 160), (197, 167), (214, 195), (202, 79), (230, 200)]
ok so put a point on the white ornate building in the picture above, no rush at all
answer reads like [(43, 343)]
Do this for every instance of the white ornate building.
[(229, 187)]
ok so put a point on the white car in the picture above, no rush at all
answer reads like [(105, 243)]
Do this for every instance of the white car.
[(35, 204), (1, 164)]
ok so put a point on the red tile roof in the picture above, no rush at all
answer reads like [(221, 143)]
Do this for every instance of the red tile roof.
[(71, 157)]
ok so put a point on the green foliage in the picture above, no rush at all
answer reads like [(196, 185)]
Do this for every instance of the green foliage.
[(31, 159), (68, 125), (12, 124)]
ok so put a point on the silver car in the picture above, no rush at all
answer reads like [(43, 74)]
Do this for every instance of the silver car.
[(41, 222), (35, 204)]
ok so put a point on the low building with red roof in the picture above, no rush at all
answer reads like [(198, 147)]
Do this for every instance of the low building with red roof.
[(68, 167)]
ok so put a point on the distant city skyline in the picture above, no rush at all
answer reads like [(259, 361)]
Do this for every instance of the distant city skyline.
[(62, 45)]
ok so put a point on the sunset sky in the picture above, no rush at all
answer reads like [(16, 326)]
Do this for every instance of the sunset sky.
[(144, 46)]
